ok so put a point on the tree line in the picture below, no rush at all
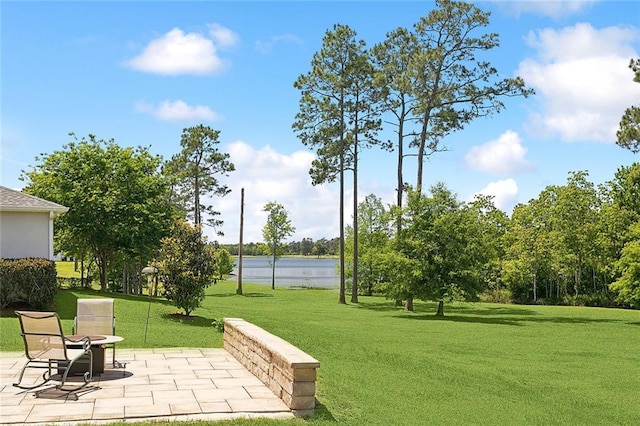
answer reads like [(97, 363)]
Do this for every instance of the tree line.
[(574, 244), (305, 247)]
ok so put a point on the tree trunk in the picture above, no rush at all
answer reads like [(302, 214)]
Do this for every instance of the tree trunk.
[(400, 189), (421, 149), (103, 276), (354, 286), (409, 305), (239, 287), (341, 297), (440, 311), (125, 278), (273, 269), (196, 202), (370, 280), (83, 279), (102, 263)]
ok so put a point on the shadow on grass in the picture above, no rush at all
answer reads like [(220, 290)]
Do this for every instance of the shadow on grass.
[(240, 295), (456, 309), (490, 310), (257, 295), (390, 306), (192, 320), (502, 320), (222, 295), (459, 318), (572, 320), (380, 307), (10, 311), (322, 413)]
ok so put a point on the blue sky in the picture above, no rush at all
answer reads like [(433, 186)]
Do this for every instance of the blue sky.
[(140, 72)]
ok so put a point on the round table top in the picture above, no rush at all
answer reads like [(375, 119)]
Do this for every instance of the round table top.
[(95, 340)]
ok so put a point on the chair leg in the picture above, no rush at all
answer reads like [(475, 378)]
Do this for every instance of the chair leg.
[(45, 379), (86, 376)]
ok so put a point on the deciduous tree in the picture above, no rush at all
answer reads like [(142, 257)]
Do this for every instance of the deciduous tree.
[(374, 234), (444, 244), (224, 263), (274, 232), (186, 266), (527, 247), (628, 285), (625, 195), (117, 199)]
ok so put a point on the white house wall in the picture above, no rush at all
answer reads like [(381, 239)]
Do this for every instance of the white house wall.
[(24, 234)]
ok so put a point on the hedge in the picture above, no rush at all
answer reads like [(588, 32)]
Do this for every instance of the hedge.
[(31, 281)]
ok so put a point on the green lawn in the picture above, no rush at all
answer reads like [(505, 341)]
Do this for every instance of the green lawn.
[(66, 270), (480, 364)]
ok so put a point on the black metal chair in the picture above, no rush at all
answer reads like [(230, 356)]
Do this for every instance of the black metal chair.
[(45, 348)]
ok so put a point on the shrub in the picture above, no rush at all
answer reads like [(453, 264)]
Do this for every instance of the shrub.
[(496, 296), (186, 266), (601, 299), (218, 323), (32, 281), (69, 282)]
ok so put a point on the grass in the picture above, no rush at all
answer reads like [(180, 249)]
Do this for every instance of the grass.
[(66, 270), (480, 364)]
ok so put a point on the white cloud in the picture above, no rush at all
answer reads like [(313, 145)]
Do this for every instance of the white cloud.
[(504, 192), (267, 175), (500, 156), (266, 47), (582, 81), (177, 52), (222, 35), (177, 111), (553, 9)]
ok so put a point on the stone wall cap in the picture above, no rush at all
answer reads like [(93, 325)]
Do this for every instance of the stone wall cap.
[(293, 355)]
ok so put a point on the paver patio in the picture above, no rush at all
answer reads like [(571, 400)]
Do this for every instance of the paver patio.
[(156, 384)]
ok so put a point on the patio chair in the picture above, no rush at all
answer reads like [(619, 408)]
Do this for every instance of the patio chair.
[(94, 317), (44, 346)]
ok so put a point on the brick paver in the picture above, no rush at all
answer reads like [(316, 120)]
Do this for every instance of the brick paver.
[(157, 384)]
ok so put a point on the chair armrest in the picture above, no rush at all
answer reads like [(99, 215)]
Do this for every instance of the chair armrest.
[(86, 342)]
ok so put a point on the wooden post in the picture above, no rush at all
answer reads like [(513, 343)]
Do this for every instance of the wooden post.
[(239, 288)]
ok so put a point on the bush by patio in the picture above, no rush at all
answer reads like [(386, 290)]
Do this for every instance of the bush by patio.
[(30, 280)]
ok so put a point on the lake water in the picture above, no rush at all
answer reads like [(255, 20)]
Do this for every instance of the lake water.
[(290, 271)]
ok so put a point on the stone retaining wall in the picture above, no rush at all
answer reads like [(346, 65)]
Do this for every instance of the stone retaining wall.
[(288, 371)]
